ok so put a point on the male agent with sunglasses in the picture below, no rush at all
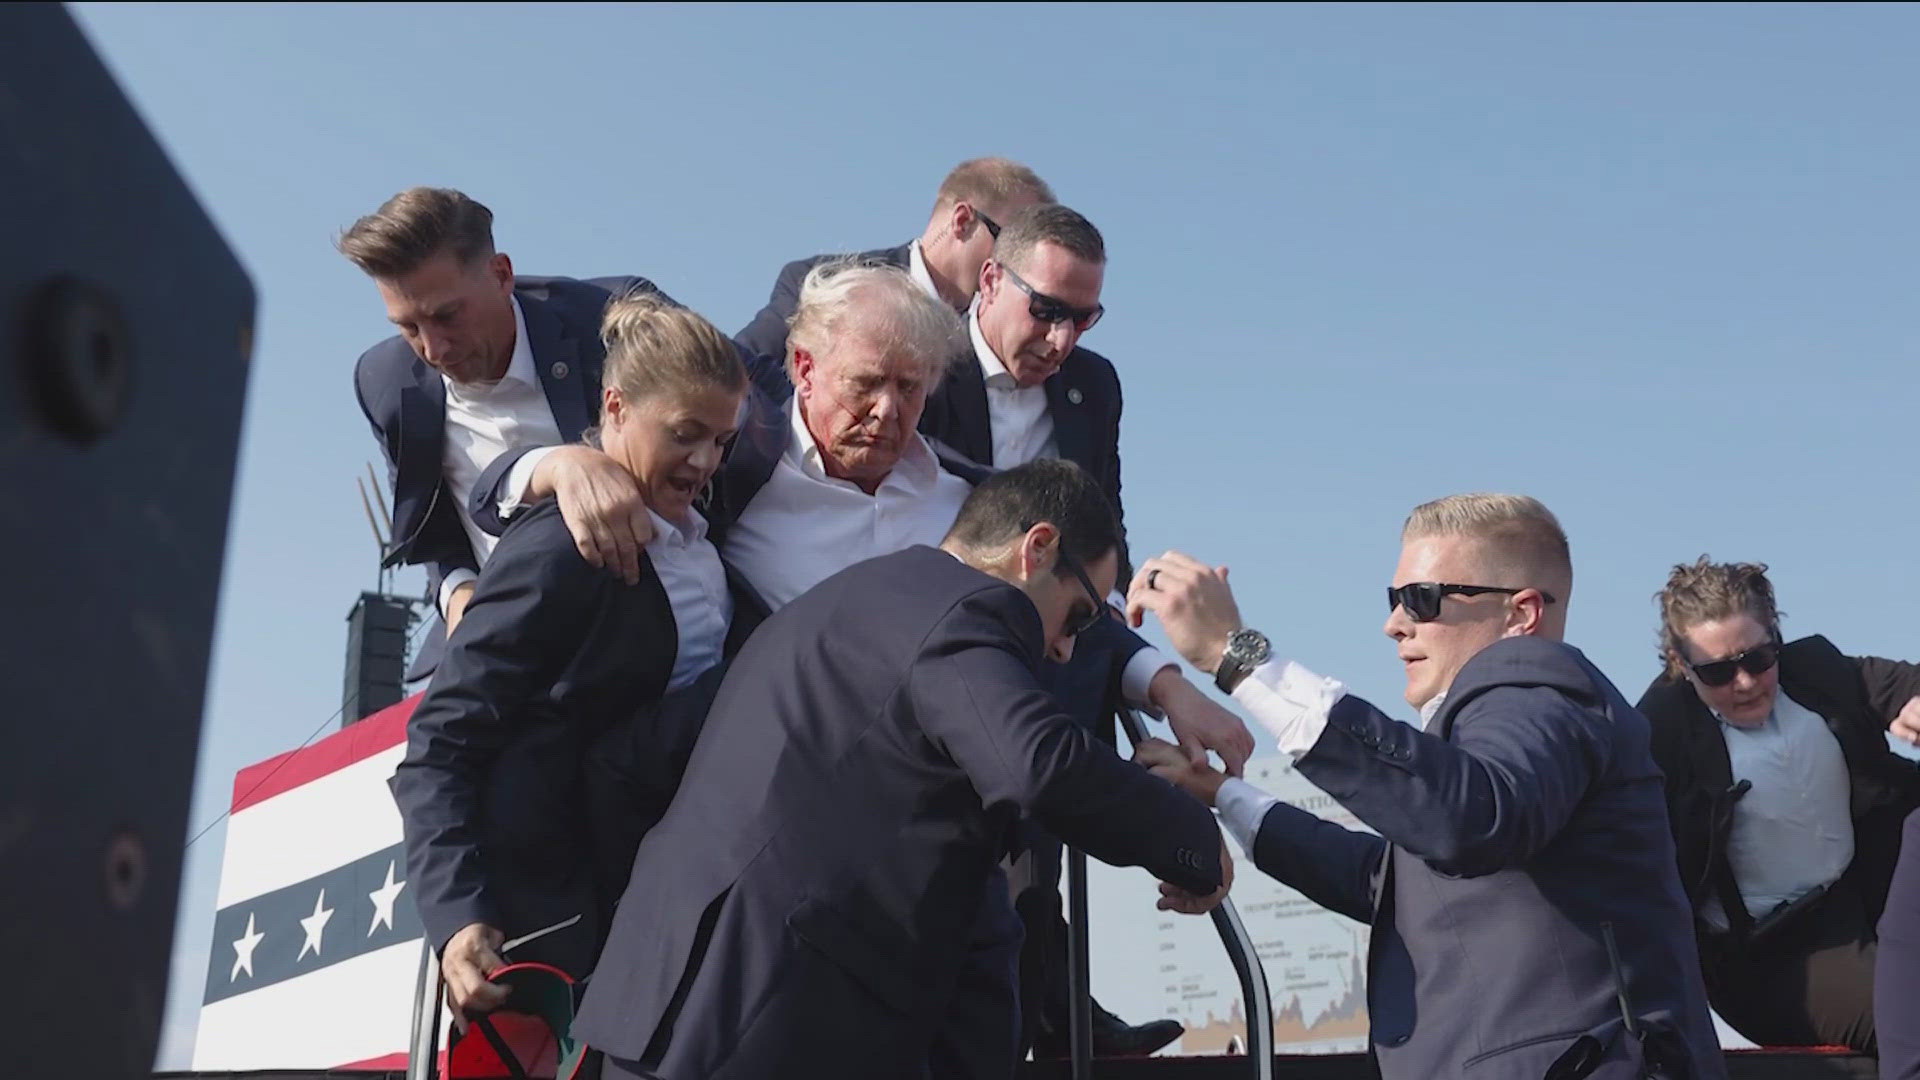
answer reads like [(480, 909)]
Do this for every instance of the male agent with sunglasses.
[(1026, 390), (807, 905), (944, 260), (1527, 919), (1786, 803)]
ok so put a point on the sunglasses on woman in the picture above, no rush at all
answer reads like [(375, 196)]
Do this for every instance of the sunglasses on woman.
[(1422, 598), (1755, 661)]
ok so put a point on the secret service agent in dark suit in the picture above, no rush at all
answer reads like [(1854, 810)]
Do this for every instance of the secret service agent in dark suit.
[(817, 880), (551, 654), (405, 400), (1896, 979), (1775, 984), (557, 666), (945, 259), (1522, 837)]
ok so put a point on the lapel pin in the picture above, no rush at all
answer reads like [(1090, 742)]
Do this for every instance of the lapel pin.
[(1074, 396), (560, 369)]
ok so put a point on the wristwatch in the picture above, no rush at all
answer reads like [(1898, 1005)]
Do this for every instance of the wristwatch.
[(1246, 649)]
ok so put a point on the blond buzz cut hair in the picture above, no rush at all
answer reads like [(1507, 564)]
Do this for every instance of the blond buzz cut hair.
[(1524, 541), (992, 183)]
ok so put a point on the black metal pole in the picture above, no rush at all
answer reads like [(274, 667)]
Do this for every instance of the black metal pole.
[(1079, 985), (423, 1050)]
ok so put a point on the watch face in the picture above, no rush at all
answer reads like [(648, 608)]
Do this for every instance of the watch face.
[(1248, 644)]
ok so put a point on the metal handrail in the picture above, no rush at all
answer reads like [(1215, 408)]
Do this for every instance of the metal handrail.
[(1233, 937), (423, 1044)]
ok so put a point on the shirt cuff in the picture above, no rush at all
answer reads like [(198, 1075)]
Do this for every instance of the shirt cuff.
[(519, 478), (1242, 807), (1137, 678), (453, 580), (1290, 701)]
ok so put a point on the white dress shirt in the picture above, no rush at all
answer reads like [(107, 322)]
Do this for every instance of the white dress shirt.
[(917, 270), (696, 586), (485, 420), (1292, 703), (1018, 416), (805, 526), (1793, 831)]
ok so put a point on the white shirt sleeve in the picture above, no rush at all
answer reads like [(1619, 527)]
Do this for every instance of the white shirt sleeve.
[(1242, 807), (454, 579), (1138, 677), (1290, 701), (518, 479)]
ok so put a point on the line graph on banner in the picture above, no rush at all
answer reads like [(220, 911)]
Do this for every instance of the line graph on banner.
[(1315, 960)]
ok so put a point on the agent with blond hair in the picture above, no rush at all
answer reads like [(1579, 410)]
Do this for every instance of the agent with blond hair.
[(1526, 916), (1785, 802), (552, 656)]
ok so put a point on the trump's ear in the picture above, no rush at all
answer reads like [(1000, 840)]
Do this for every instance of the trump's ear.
[(802, 372)]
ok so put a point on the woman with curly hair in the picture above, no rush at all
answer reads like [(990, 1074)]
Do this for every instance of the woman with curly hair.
[(1785, 802)]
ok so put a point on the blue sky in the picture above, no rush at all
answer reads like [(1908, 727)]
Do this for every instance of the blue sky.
[(1653, 265)]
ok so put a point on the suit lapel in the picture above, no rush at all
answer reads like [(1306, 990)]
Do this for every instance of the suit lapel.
[(1066, 403), (971, 428), (423, 440), (556, 358)]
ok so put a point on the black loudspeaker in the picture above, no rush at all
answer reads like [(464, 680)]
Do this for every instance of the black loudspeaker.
[(125, 329), (377, 630)]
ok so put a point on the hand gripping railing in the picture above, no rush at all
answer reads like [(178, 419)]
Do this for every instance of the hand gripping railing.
[(1233, 937), (423, 1049)]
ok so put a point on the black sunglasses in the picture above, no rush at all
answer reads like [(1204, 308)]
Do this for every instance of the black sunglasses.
[(1422, 598), (1754, 661), (993, 227), (1078, 626), (1050, 310)]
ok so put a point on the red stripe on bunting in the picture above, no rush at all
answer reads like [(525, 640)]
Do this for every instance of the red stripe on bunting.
[(355, 742)]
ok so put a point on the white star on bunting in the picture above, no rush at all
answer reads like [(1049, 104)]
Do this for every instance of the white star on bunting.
[(383, 898), (243, 951), (315, 925)]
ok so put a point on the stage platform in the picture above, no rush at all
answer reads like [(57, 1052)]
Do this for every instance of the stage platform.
[(1813, 1064)]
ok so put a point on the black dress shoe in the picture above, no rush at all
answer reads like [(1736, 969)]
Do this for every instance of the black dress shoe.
[(1112, 1037)]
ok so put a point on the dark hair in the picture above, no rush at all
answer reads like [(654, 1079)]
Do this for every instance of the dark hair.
[(1005, 505), (414, 226), (1048, 223), (1706, 591)]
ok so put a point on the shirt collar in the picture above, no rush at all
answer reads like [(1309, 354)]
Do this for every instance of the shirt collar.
[(694, 531), (1432, 709), (917, 464), (991, 369), (519, 365), (917, 269)]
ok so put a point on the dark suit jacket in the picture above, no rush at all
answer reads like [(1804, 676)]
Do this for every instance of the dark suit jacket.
[(1526, 818), (1896, 972), (1857, 696), (552, 654), (843, 811), (1083, 398), (406, 403)]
